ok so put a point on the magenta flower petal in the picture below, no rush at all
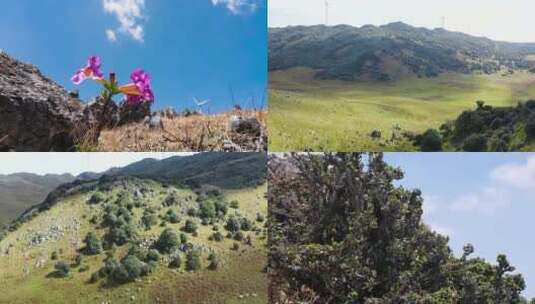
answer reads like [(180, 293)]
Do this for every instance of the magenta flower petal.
[(142, 81), (94, 64), (79, 77), (92, 69)]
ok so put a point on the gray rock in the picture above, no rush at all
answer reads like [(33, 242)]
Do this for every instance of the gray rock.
[(156, 123), (36, 114)]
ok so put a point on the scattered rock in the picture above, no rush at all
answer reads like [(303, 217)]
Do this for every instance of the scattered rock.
[(156, 123)]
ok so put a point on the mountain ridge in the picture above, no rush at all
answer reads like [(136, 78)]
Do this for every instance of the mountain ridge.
[(390, 51)]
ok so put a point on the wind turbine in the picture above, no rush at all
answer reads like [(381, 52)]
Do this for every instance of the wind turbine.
[(200, 103), (444, 22)]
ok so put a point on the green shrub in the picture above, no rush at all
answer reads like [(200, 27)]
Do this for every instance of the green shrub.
[(475, 143), (193, 260), (190, 226), (221, 208), (530, 126), (233, 224), (133, 266), (54, 255), (214, 261), (176, 262), (260, 218), (235, 247), (96, 198), (93, 245), (246, 224), (62, 269), (430, 141), (153, 255), (207, 209), (234, 204), (149, 219), (239, 236), (172, 217), (192, 212), (217, 236), (183, 238), (167, 241)]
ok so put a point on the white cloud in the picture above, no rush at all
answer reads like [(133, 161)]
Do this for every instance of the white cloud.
[(111, 35), (129, 13), (237, 6), (486, 201), (521, 176)]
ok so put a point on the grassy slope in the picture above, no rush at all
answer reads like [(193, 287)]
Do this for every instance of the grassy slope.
[(335, 115), (21, 281)]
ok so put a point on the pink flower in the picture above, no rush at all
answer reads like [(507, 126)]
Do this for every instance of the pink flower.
[(91, 70), (139, 90)]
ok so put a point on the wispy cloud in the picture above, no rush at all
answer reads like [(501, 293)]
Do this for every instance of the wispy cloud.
[(111, 35), (129, 14), (238, 6), (517, 175), (486, 201)]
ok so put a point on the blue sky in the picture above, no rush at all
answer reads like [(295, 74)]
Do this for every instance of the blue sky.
[(487, 199), (509, 20), (202, 48)]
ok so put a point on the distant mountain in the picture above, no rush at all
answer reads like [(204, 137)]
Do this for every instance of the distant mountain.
[(22, 190), (225, 170), (390, 51)]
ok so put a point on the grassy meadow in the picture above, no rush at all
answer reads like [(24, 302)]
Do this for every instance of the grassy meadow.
[(310, 114), (25, 269)]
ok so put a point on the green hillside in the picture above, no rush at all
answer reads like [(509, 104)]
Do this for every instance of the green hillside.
[(311, 114), (128, 216)]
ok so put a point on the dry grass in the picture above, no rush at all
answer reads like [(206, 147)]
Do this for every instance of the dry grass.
[(192, 133)]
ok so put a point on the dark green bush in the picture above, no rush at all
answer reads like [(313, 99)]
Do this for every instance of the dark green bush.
[(92, 243), (233, 224), (207, 209), (153, 255), (214, 261), (167, 242), (96, 198), (221, 208), (234, 204), (176, 262), (190, 226), (183, 238), (193, 260), (217, 236), (239, 236), (245, 224), (530, 126), (475, 143), (62, 269), (430, 141)]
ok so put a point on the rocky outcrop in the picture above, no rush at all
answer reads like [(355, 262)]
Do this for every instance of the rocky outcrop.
[(37, 114)]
